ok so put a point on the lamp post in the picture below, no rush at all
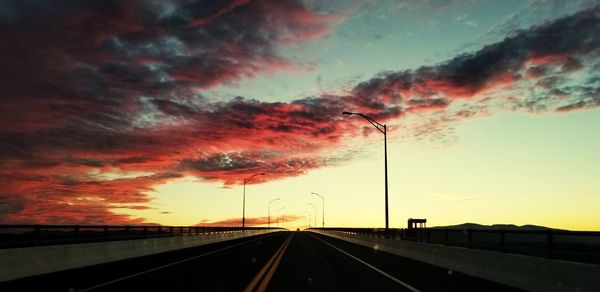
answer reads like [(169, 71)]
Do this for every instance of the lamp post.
[(244, 201), (323, 209), (278, 215), (315, 208), (383, 129), (309, 219), (269, 220)]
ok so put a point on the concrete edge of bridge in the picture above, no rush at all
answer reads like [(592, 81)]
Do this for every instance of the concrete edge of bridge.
[(520, 271), (16, 263)]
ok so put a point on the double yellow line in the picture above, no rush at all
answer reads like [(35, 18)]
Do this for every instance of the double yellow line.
[(266, 273)]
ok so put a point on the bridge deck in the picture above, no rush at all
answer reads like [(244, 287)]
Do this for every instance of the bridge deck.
[(283, 261)]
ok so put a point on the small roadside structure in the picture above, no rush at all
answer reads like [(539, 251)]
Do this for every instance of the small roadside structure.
[(414, 223)]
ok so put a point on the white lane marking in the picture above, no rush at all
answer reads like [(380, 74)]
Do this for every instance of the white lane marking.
[(172, 264), (409, 287)]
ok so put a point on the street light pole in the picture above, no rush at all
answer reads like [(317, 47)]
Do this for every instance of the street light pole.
[(244, 200), (269, 220), (315, 208), (278, 215), (309, 219), (323, 209), (383, 129)]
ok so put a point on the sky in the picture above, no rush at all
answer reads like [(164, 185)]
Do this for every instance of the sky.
[(155, 112)]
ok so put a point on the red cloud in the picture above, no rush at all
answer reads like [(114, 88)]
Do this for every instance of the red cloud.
[(72, 109), (92, 92), (56, 199), (253, 221)]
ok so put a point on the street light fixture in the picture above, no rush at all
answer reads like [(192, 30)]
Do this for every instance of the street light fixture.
[(278, 215), (244, 202), (269, 220), (323, 209), (315, 208), (383, 129)]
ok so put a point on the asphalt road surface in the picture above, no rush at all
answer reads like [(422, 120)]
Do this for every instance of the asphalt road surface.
[(282, 261)]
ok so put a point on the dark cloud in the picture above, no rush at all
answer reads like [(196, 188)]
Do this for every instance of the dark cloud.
[(232, 168), (581, 97), (70, 59), (559, 43), (95, 87), (221, 162)]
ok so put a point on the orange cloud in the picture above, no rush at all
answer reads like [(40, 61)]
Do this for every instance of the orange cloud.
[(252, 221)]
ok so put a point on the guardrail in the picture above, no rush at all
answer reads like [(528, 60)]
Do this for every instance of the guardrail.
[(529, 273), (12, 236), (581, 246)]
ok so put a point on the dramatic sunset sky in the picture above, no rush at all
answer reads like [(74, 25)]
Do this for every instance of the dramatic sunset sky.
[(153, 112)]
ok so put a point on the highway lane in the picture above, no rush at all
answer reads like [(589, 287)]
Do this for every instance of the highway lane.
[(315, 262), (284, 261), (224, 266)]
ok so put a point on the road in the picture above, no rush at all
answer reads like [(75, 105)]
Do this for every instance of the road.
[(282, 261)]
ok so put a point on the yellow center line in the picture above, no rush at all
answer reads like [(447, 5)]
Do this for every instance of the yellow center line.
[(264, 269), (174, 263), (267, 279), (270, 266)]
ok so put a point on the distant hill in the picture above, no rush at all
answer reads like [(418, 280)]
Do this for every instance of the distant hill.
[(495, 226)]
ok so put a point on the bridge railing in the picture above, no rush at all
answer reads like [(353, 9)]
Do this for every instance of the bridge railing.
[(12, 236), (583, 246)]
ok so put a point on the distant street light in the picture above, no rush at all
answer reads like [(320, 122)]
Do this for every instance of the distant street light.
[(244, 203), (309, 218), (315, 208), (278, 215), (269, 220), (383, 129), (323, 208)]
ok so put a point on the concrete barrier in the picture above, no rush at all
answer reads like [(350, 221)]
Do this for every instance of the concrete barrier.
[(17, 263), (525, 272)]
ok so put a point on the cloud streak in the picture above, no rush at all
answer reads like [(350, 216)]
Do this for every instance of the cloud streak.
[(101, 102), (253, 221)]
